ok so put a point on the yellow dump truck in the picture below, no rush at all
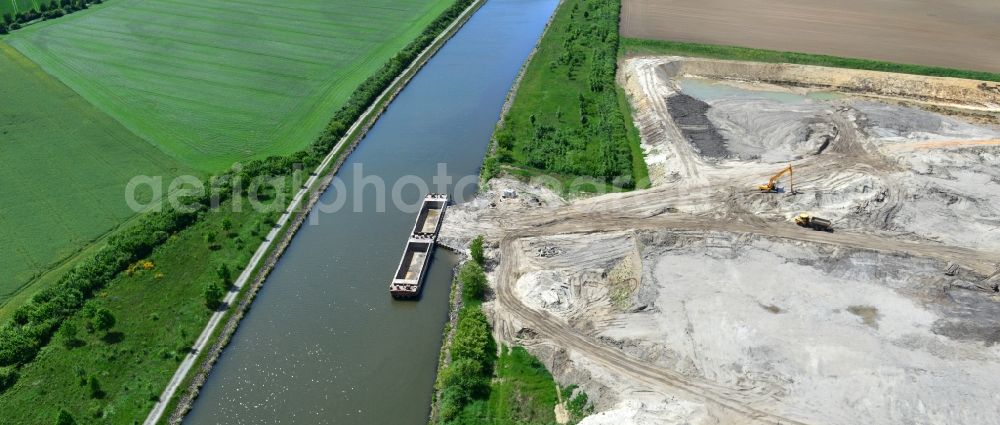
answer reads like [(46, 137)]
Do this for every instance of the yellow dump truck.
[(815, 223)]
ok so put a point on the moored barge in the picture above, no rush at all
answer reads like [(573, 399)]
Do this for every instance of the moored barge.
[(408, 280)]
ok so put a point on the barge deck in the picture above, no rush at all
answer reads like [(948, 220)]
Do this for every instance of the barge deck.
[(408, 280)]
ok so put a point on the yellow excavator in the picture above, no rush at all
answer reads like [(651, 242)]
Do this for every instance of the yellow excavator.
[(771, 186)]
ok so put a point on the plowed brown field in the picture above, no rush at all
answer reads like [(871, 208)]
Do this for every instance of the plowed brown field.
[(951, 33)]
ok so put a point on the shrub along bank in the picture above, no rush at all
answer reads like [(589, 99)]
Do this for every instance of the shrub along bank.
[(566, 117), (110, 360), (479, 387), (45, 11)]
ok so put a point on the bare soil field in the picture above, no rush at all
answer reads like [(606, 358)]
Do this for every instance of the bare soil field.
[(949, 33), (699, 301)]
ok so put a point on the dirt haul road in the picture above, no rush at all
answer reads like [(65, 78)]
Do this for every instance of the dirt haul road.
[(908, 190), (955, 33), (727, 403)]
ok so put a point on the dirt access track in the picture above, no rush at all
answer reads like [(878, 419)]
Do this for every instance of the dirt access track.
[(699, 301), (961, 34)]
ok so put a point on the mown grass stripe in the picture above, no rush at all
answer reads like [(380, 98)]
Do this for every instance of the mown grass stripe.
[(285, 26), (77, 196), (159, 65)]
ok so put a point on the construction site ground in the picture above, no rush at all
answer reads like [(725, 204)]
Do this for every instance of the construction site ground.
[(700, 301)]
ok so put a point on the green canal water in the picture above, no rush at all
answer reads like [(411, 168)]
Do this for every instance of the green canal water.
[(324, 343)]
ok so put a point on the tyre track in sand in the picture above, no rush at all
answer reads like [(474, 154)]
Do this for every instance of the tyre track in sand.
[(743, 402)]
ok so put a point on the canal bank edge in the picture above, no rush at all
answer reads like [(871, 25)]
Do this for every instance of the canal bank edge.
[(511, 94), (179, 403), (455, 297), (444, 356)]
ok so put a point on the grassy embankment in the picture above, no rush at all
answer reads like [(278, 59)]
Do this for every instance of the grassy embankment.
[(479, 387), (631, 47), (159, 312), (31, 350), (569, 118)]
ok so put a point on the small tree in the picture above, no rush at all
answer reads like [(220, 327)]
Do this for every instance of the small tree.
[(227, 224), (224, 274), (476, 249), (8, 377), (213, 296), (467, 375), (103, 319), (95, 387), (473, 339), (64, 418), (67, 333), (473, 279)]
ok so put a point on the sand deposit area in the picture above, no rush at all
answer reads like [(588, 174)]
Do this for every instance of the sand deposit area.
[(812, 333), (700, 301), (863, 158)]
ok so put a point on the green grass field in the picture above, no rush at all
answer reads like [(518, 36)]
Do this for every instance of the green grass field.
[(522, 392), (15, 6), (64, 171), (215, 82)]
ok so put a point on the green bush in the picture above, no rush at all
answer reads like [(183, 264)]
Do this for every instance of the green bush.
[(577, 404), (468, 375), (473, 354), (473, 339), (225, 275), (95, 387), (8, 376), (103, 320), (452, 403), (64, 418), (214, 293), (476, 250), (473, 280), (67, 333)]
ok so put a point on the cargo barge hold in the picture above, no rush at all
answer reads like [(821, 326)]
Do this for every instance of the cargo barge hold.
[(408, 280)]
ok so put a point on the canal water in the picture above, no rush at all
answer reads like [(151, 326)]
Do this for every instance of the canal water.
[(324, 343)]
